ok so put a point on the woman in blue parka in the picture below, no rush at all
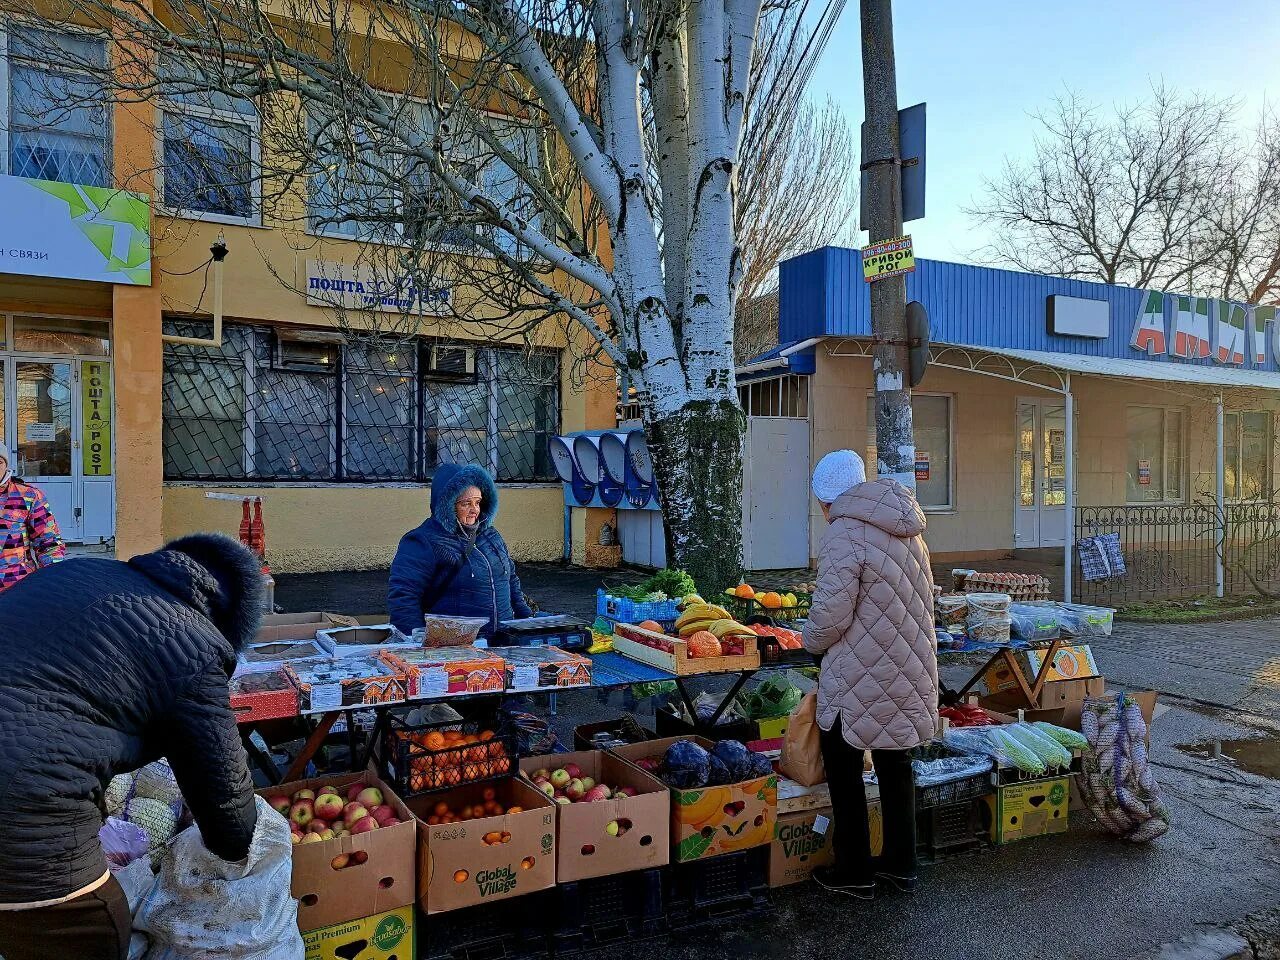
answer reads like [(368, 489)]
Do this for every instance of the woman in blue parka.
[(456, 563)]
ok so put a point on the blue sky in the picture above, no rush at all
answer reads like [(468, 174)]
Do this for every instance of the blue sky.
[(983, 67)]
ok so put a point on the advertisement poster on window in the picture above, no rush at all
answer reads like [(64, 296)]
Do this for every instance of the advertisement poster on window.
[(922, 466), (1144, 473), (95, 409), (74, 232)]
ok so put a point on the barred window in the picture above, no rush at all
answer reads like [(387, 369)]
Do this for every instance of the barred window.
[(368, 413)]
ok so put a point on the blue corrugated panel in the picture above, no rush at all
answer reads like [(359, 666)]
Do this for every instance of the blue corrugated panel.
[(822, 293)]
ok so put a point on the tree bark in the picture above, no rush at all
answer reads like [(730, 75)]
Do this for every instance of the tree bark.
[(697, 459)]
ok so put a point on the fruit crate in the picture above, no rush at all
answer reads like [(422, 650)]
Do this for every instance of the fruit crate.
[(623, 610), (514, 929), (415, 765), (604, 911), (674, 656), (743, 608), (772, 652), (947, 831), (731, 885), (956, 791)]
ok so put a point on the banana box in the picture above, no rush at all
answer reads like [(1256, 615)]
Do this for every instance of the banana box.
[(385, 936), (709, 821)]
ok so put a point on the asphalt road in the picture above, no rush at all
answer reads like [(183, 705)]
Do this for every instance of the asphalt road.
[(1080, 895)]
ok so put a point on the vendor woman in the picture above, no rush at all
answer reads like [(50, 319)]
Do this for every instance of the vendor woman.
[(456, 563)]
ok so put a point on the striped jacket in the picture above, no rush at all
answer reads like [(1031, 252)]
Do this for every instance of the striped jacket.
[(29, 535)]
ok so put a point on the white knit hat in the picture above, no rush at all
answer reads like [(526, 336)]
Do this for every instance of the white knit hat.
[(4, 452), (836, 473)]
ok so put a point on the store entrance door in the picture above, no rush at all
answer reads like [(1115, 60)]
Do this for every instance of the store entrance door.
[(1040, 480), (57, 417)]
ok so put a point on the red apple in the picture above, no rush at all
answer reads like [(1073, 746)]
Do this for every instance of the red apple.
[(370, 796), (625, 792), (547, 788), (352, 812), (573, 770), (304, 795), (560, 778), (542, 773), (329, 806), (390, 821), (317, 826), (353, 791), (364, 825), (587, 784), (575, 790), (302, 812), (596, 794), (279, 803)]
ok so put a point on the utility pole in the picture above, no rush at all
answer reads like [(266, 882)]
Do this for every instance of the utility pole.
[(882, 161)]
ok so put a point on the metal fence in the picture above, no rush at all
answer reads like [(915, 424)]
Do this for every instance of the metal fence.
[(1170, 550)]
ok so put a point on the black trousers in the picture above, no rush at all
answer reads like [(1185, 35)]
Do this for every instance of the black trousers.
[(852, 840), (95, 926)]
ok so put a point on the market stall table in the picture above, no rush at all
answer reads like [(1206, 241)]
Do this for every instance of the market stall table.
[(1008, 652)]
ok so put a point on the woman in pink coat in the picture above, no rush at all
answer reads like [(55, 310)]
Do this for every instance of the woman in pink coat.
[(872, 624)]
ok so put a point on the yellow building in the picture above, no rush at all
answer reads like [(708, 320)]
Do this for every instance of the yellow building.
[(127, 433)]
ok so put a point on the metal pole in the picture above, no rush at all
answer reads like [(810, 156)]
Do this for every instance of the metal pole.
[(1220, 500), (1069, 492), (895, 442)]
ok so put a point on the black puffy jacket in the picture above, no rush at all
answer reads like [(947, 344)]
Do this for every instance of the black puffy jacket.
[(104, 667)]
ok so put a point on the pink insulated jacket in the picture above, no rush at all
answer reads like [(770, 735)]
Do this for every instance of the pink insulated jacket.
[(872, 617)]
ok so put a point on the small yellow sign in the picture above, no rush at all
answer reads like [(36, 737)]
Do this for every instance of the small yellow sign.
[(892, 258), (95, 409)]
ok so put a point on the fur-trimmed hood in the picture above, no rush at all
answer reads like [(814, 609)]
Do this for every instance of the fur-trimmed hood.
[(447, 485), (217, 576)]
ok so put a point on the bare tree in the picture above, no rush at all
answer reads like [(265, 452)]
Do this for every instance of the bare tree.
[(1121, 199), (499, 146), (797, 183)]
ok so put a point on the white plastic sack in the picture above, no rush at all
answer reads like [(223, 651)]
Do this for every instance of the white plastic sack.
[(203, 908)]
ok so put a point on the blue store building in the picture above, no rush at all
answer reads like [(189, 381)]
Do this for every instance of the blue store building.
[(1052, 409)]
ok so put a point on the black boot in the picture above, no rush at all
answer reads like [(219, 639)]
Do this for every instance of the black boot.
[(830, 878)]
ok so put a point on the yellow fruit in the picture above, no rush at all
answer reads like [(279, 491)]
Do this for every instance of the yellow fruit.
[(731, 592), (789, 600)]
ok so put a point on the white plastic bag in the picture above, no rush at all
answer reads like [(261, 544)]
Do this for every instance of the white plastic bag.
[(203, 908)]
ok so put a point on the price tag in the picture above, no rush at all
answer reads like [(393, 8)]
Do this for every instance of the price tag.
[(820, 825), (326, 696), (433, 682), (524, 678)]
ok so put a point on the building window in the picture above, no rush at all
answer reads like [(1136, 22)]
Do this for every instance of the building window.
[(1156, 455), (59, 122), (1248, 439), (931, 424), (355, 412), (210, 147), (786, 396)]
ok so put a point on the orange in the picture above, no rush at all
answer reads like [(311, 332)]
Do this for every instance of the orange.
[(440, 809), (487, 794), (452, 736), (744, 592), (770, 600), (526, 863), (452, 777), (469, 738), (433, 820), (435, 740), (460, 877), (486, 734), (511, 810)]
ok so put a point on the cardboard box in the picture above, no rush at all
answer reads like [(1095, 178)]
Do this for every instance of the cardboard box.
[(385, 936), (673, 653), (383, 881), (357, 641), (709, 821), (347, 683), (774, 728), (802, 843), (537, 668), (263, 695), (1061, 702), (457, 868), (1069, 663), (584, 847), (272, 653), (298, 626), (448, 671), (1035, 808)]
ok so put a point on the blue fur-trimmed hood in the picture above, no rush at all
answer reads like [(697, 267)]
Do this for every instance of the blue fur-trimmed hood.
[(217, 576), (447, 484)]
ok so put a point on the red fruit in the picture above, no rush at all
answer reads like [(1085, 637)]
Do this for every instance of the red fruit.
[(302, 812), (353, 791), (364, 825), (352, 812), (279, 803)]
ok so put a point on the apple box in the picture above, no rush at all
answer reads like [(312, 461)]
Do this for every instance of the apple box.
[(486, 858), (708, 821), (603, 837), (299, 626), (356, 875)]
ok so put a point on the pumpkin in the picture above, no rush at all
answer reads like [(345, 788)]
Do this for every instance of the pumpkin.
[(653, 625), (704, 644), (744, 592), (770, 600)]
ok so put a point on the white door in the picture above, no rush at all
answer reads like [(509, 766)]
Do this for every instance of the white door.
[(775, 494), (1040, 479), (57, 417)]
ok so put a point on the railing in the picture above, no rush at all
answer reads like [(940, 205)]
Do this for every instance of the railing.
[(1170, 550)]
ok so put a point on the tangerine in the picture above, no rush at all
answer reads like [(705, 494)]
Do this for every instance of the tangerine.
[(511, 810), (487, 794), (526, 863), (433, 820), (434, 740), (744, 592), (440, 809), (770, 600), (486, 734), (460, 876)]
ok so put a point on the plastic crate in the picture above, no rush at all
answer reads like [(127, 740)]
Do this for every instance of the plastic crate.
[(623, 908), (623, 610), (952, 829), (514, 929), (732, 885), (413, 768), (956, 791), (744, 609)]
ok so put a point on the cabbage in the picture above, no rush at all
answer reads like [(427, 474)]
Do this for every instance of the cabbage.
[(736, 757), (720, 774), (686, 765)]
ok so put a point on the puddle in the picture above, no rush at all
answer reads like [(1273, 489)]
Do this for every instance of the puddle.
[(1259, 757)]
